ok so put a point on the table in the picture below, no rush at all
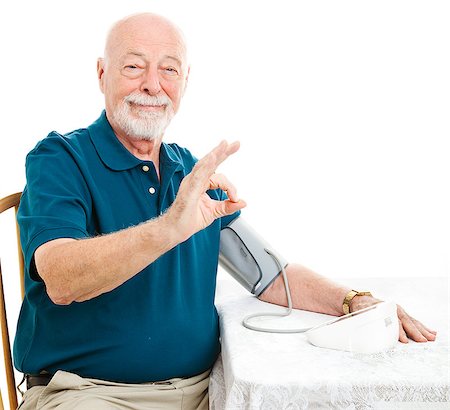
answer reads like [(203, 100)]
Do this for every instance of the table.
[(283, 371)]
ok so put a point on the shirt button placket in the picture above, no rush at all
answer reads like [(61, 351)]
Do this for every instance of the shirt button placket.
[(151, 190)]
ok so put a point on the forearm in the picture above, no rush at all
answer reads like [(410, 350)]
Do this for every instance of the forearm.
[(78, 270), (309, 291)]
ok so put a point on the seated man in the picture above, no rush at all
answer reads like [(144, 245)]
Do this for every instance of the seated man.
[(120, 233)]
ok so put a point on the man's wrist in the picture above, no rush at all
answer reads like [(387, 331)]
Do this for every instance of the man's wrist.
[(168, 230), (362, 301), (159, 234), (349, 298)]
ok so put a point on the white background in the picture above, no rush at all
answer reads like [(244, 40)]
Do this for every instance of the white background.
[(341, 107)]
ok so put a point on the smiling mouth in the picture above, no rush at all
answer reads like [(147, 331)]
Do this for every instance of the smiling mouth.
[(142, 107)]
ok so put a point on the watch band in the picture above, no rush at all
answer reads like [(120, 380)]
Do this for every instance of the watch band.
[(349, 297)]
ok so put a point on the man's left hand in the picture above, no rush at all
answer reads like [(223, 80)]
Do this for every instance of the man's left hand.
[(408, 326), (412, 328)]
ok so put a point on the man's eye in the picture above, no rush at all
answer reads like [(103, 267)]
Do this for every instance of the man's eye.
[(171, 71), (132, 70)]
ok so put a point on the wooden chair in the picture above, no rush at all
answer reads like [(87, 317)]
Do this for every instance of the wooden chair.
[(11, 201)]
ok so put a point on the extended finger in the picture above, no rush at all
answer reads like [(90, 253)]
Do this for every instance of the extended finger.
[(428, 329), (411, 330), (427, 333), (223, 151), (209, 163), (206, 166), (222, 182), (401, 333)]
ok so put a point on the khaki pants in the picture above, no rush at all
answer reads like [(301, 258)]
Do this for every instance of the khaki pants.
[(67, 391)]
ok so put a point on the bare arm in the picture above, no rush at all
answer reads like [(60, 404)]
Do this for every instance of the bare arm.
[(78, 270), (309, 291), (313, 292)]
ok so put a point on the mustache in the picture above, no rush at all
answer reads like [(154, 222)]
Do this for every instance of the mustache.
[(144, 99)]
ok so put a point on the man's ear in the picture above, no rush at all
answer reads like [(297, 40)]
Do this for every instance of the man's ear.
[(100, 72), (187, 78)]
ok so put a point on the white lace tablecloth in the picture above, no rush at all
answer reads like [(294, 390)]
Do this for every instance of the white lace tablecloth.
[(283, 371)]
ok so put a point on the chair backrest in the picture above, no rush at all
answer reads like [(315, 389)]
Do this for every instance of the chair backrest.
[(11, 201)]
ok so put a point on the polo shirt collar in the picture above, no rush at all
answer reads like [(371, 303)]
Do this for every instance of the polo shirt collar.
[(116, 157)]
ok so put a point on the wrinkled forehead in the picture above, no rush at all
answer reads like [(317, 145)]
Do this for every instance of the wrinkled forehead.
[(149, 37)]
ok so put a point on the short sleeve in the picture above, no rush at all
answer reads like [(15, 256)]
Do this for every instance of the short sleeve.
[(56, 202)]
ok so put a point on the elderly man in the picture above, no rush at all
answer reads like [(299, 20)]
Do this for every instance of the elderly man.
[(120, 233)]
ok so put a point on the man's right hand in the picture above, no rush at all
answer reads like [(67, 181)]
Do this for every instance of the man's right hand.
[(193, 210), (74, 270)]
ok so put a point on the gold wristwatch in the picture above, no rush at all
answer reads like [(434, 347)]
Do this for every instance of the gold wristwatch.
[(349, 297)]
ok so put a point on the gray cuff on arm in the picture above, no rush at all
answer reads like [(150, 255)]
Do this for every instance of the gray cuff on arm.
[(243, 256)]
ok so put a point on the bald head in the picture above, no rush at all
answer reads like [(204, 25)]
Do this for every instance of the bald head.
[(144, 27)]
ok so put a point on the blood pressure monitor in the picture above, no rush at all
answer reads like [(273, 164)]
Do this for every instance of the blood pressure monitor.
[(370, 330)]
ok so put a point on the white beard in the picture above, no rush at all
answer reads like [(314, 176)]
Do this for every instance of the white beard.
[(150, 125)]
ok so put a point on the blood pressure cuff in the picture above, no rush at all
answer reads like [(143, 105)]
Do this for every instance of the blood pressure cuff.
[(243, 256)]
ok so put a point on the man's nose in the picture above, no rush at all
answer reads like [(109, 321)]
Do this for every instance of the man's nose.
[(150, 83)]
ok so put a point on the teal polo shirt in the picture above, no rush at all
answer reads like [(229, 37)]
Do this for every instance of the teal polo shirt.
[(162, 323)]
